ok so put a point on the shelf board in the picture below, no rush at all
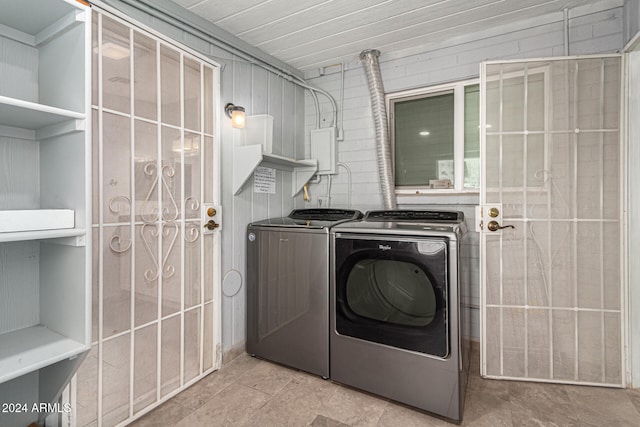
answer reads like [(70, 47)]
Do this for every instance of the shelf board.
[(42, 235), (18, 220), (30, 115), (285, 163), (32, 348), (246, 158)]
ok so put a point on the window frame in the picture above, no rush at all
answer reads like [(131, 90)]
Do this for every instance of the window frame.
[(457, 88)]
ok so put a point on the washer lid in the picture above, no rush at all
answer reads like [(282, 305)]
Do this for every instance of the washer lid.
[(408, 222), (315, 218), (325, 214), (415, 216)]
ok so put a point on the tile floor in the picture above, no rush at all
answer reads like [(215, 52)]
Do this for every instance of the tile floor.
[(253, 392)]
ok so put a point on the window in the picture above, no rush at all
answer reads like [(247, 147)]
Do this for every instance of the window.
[(436, 139)]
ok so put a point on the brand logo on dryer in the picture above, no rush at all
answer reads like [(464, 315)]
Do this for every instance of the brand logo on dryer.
[(384, 247)]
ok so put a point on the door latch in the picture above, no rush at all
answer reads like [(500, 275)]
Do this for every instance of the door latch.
[(495, 226), (211, 225), (212, 218), (489, 217)]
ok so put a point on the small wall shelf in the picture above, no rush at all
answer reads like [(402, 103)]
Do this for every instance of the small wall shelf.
[(247, 158), (28, 349), (33, 116), (19, 220), (20, 236)]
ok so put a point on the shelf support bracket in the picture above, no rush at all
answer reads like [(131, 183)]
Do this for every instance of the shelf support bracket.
[(301, 176), (246, 159)]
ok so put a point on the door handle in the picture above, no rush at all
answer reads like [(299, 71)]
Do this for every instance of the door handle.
[(211, 225), (494, 226)]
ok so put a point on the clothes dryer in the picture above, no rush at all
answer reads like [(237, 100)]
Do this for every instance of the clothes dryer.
[(396, 308)]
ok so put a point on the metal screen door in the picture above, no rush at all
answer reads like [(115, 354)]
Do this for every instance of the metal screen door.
[(155, 266), (551, 200)]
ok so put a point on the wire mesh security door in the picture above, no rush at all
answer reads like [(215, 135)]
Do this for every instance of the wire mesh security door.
[(551, 159), (155, 326)]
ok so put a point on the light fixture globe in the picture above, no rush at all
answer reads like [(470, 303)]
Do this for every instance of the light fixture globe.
[(236, 114)]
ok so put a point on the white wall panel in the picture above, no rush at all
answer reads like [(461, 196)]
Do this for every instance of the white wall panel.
[(18, 62), (275, 103), (260, 92)]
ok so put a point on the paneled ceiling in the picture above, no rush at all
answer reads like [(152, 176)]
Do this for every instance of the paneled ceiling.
[(314, 33)]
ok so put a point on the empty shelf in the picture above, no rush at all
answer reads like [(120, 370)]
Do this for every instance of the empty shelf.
[(32, 348), (36, 219), (30, 115)]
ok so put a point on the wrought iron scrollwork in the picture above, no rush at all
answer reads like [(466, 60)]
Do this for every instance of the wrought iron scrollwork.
[(116, 202), (192, 232), (115, 244), (158, 220)]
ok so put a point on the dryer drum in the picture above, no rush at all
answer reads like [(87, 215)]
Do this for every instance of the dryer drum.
[(391, 291), (395, 297)]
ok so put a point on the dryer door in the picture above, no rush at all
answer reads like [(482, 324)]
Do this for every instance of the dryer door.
[(393, 291)]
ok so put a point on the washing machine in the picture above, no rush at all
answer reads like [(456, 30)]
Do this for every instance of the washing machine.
[(397, 324), (288, 288)]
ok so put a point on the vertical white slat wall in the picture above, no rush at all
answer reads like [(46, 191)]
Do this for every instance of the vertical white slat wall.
[(260, 92)]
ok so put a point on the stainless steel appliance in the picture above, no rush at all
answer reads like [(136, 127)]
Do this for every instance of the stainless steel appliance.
[(288, 288), (396, 318)]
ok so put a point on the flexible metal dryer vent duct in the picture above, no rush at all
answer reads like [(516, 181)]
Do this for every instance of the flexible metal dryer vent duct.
[(371, 65)]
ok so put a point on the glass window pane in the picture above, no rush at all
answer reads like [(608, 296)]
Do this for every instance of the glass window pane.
[(116, 158), (472, 136), (170, 355), (116, 66), (535, 101), (145, 377), (424, 140), (116, 280), (192, 197), (192, 332), (513, 104), (146, 273), (170, 83), (116, 380), (146, 77), (208, 93), (192, 93)]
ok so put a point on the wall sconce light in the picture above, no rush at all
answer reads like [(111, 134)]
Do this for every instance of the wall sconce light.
[(236, 114)]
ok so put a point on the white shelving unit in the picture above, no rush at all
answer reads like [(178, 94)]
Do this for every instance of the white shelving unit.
[(246, 158), (45, 199)]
